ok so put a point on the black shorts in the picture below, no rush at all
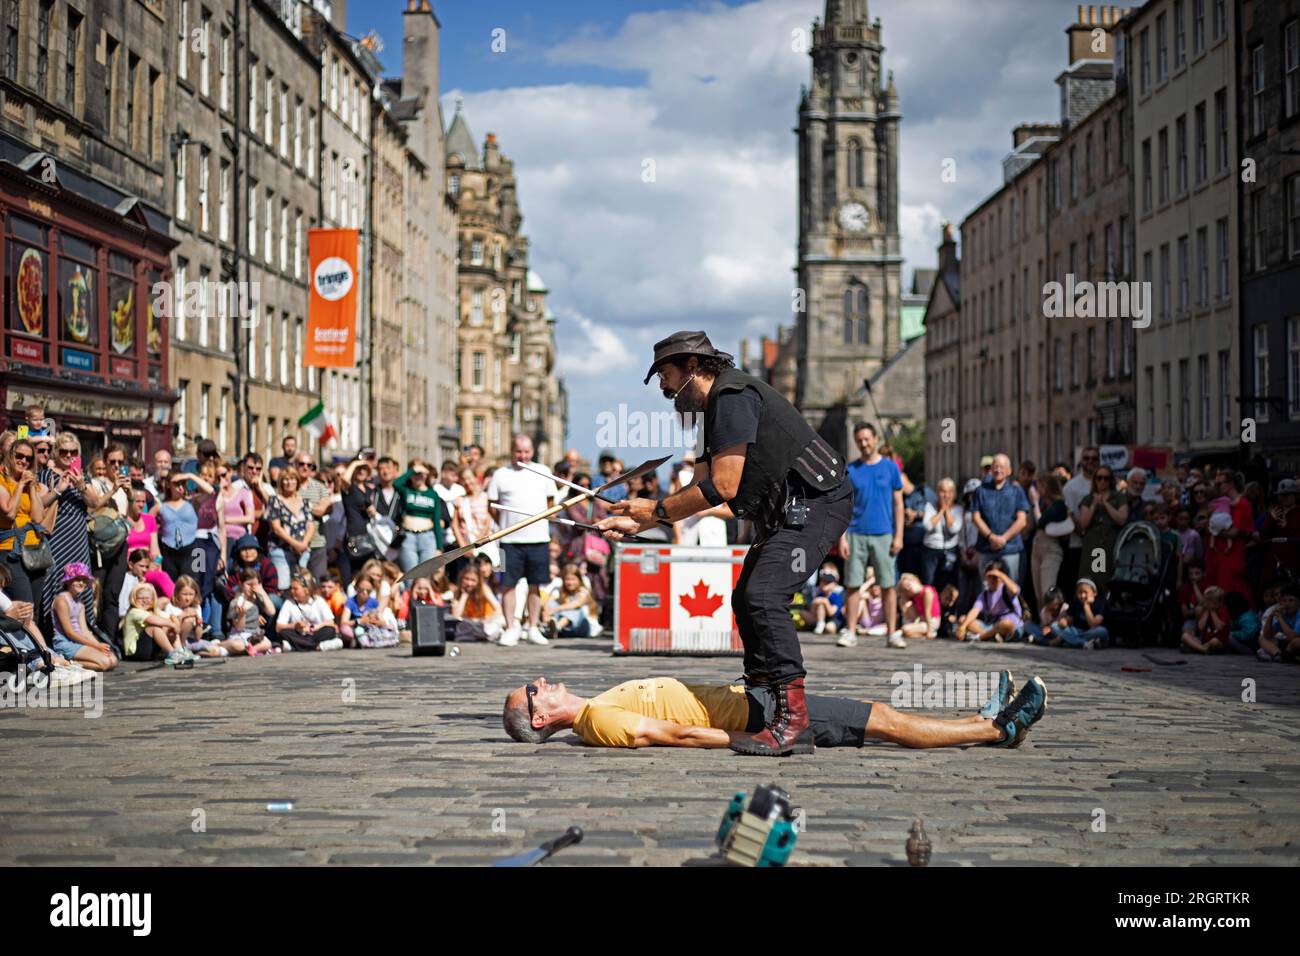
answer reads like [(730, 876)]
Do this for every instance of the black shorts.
[(532, 562), (836, 721)]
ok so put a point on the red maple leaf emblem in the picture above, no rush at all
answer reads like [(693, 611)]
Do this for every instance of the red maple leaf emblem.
[(701, 603)]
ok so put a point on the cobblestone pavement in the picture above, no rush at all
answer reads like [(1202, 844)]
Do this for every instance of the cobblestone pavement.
[(417, 769)]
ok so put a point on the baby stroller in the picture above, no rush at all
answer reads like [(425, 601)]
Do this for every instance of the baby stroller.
[(1137, 603), (19, 654)]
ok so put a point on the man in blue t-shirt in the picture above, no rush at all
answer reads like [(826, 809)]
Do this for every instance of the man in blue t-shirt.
[(1000, 512), (875, 535)]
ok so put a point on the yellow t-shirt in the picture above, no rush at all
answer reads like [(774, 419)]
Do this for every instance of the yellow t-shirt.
[(21, 519), (610, 720)]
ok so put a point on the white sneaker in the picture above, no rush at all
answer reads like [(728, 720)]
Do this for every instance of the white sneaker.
[(896, 640), (286, 647), (847, 639), (510, 637), (535, 636), (878, 630), (333, 644), (820, 628)]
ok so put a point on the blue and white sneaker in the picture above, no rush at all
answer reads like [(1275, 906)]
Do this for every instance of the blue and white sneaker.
[(1002, 696), (1022, 713)]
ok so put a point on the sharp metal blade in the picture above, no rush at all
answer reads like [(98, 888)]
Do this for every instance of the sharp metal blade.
[(523, 859), (426, 568)]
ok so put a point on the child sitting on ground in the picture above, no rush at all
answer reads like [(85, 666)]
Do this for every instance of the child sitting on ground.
[(921, 610), (1210, 635), (73, 638), (1280, 638), (138, 564), (477, 607), (997, 614), (331, 592), (1191, 595), (147, 632), (365, 623), (574, 610), (185, 610), (948, 598), (305, 622), (1052, 613), (250, 610), (871, 619), (1084, 622), (1243, 631), (828, 602)]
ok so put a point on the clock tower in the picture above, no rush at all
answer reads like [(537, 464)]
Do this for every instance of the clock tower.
[(849, 263)]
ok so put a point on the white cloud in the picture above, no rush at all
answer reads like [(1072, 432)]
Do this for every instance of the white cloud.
[(589, 349), (710, 243)]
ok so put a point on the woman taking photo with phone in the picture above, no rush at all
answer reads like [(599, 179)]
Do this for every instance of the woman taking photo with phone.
[(69, 501), (20, 505)]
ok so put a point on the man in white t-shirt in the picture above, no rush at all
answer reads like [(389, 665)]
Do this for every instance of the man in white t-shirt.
[(448, 488), (1074, 491), (525, 553)]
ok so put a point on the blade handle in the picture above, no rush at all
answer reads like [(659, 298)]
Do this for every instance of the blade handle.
[(567, 838)]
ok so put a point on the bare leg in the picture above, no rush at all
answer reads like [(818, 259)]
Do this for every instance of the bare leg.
[(534, 604), (508, 607), (851, 610), (891, 608), (910, 730), (159, 635)]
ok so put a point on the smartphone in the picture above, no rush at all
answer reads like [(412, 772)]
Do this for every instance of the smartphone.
[(76, 463), (22, 431), (122, 470)]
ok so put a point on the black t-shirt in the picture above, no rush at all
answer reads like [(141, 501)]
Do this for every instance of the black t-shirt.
[(736, 420), (356, 501)]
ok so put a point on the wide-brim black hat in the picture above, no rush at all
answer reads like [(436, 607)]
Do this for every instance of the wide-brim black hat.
[(683, 343)]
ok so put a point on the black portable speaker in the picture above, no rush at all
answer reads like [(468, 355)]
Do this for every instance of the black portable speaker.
[(428, 630)]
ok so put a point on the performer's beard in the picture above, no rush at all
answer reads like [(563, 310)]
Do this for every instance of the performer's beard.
[(682, 402)]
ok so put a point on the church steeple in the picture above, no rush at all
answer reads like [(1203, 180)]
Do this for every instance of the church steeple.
[(845, 12), (849, 256)]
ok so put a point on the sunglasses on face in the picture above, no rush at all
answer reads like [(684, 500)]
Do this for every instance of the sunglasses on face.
[(26, 458), (529, 691), (306, 464), (67, 451)]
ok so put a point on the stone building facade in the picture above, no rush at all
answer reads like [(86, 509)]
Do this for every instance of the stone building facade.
[(86, 107), (1269, 104), (1090, 398), (506, 342), (347, 83), (1181, 68), (1001, 382), (942, 363)]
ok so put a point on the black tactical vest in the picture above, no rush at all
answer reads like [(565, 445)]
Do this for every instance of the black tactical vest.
[(785, 443)]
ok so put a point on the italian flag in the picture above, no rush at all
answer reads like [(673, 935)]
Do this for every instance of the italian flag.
[(319, 424)]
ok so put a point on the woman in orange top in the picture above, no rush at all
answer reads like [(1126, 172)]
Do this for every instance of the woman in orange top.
[(477, 607), (20, 505)]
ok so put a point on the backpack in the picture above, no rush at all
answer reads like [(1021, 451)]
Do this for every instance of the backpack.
[(108, 530)]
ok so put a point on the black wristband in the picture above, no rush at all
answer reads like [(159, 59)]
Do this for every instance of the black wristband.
[(710, 492)]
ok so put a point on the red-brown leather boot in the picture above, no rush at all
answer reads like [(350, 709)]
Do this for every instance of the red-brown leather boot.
[(788, 732)]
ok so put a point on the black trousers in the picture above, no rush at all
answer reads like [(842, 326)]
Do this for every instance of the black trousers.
[(777, 565)]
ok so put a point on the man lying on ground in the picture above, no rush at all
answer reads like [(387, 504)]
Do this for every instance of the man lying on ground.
[(662, 711)]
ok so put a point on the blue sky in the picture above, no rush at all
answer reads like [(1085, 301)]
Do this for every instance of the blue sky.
[(587, 93)]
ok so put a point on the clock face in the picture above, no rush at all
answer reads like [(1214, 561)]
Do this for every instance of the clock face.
[(854, 217)]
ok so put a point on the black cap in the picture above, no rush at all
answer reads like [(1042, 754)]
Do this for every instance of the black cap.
[(683, 343)]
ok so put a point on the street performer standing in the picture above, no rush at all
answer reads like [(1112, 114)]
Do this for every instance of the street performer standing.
[(762, 460)]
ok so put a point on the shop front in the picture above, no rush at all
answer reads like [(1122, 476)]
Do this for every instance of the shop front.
[(84, 266)]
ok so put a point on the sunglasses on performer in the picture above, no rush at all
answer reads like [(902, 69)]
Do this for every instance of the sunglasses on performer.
[(529, 691)]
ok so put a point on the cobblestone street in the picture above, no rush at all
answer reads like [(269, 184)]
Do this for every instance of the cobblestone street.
[(418, 770)]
